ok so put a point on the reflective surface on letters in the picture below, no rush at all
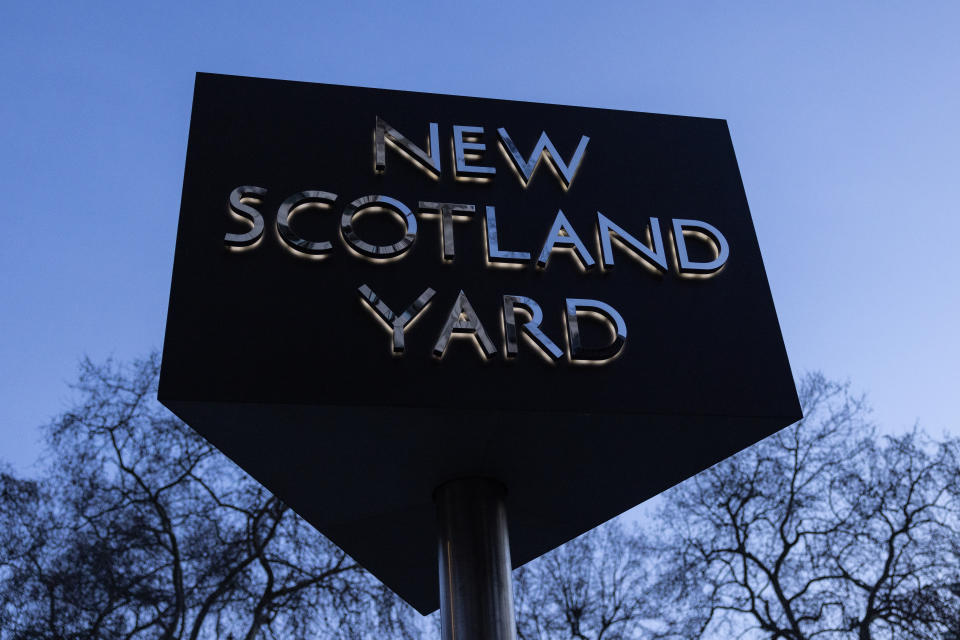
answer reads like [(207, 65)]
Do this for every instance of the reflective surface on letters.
[(239, 208), (463, 319), (397, 322), (494, 253), (566, 171), (372, 250), (698, 227), (656, 257), (383, 132), (562, 235), (460, 149), (577, 350), (286, 231), (447, 211), (532, 328)]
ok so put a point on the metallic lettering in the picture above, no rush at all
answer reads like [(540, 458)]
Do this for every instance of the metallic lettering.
[(607, 229), (243, 210), (463, 319), (289, 236), (494, 253), (429, 162), (525, 167), (448, 211), (532, 328), (562, 235), (460, 149), (704, 230), (398, 323), (381, 252), (578, 352)]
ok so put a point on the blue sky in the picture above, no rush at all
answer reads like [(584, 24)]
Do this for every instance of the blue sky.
[(844, 117)]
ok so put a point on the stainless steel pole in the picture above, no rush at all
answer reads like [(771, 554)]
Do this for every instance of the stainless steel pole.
[(476, 588)]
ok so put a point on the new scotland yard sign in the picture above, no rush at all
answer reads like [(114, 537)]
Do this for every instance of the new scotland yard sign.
[(377, 291)]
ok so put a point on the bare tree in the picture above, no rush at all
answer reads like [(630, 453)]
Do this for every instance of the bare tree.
[(592, 588), (142, 530), (820, 531)]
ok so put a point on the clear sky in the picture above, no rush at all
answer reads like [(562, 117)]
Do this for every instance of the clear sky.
[(844, 117)]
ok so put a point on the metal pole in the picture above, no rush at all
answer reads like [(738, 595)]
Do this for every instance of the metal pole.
[(476, 588)]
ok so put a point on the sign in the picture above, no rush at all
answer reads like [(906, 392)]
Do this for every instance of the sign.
[(378, 291)]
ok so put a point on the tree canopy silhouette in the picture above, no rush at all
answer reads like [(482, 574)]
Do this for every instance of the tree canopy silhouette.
[(820, 531), (140, 529)]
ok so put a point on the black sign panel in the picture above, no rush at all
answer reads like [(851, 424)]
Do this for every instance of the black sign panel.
[(377, 291)]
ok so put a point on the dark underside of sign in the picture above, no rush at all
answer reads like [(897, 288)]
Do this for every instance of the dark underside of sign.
[(297, 255), (365, 477)]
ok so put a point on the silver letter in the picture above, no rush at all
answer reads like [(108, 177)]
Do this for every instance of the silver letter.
[(241, 209), (577, 350), (447, 211), (525, 168), (494, 254), (293, 240), (531, 328), (702, 229), (562, 235), (372, 250), (607, 228), (463, 319), (430, 162), (397, 323), (460, 147)]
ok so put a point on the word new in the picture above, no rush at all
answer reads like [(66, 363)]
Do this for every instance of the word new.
[(468, 147)]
